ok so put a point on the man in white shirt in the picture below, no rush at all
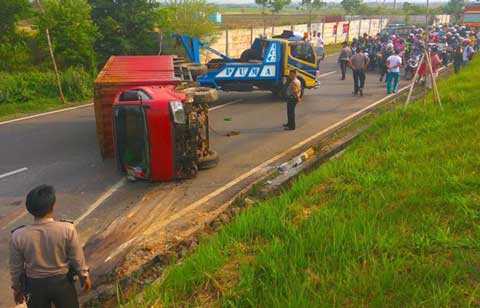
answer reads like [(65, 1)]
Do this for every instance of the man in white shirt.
[(393, 66), (320, 50)]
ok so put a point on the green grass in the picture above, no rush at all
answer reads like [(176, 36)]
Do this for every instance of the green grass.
[(394, 222), (14, 110)]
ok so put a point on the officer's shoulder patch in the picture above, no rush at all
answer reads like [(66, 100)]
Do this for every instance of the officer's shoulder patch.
[(15, 229), (66, 220)]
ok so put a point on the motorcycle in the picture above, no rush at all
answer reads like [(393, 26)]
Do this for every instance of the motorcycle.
[(445, 53), (412, 64)]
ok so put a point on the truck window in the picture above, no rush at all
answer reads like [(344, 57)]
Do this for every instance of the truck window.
[(302, 51), (131, 136), (134, 95)]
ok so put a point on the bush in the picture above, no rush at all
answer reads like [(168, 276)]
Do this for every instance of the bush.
[(25, 86), (14, 56)]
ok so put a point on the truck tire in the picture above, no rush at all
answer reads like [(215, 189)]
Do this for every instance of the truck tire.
[(250, 54), (202, 95), (209, 161), (195, 69)]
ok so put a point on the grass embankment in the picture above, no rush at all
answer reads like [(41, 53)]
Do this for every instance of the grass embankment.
[(392, 222)]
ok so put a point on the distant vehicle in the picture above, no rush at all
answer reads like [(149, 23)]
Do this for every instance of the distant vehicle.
[(264, 66), (471, 15), (401, 29)]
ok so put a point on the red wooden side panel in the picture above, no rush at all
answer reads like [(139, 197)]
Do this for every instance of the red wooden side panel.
[(122, 72)]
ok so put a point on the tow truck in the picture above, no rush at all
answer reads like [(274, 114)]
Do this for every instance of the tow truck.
[(264, 66)]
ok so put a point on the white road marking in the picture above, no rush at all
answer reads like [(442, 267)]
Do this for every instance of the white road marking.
[(119, 249), (226, 104), (100, 200), (15, 219), (90, 104), (45, 113), (13, 172), (326, 74)]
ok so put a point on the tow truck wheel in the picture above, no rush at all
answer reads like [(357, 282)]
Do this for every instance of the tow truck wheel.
[(209, 161), (202, 95), (195, 69), (250, 54)]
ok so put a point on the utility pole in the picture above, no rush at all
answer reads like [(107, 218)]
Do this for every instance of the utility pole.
[(427, 12), (52, 56)]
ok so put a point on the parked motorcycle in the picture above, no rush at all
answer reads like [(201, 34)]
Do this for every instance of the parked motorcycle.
[(412, 64)]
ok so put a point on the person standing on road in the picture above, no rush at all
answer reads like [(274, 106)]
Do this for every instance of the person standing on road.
[(457, 58), (293, 93), (467, 51), (424, 71), (359, 63), (343, 58), (319, 48), (45, 256), (393, 63)]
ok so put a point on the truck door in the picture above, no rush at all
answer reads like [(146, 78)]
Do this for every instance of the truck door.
[(131, 135), (303, 58)]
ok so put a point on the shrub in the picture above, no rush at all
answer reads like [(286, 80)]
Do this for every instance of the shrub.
[(14, 56), (24, 86)]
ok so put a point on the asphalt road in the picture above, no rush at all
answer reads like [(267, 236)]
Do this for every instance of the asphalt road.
[(61, 149)]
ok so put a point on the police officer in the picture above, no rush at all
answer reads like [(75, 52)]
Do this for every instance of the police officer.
[(293, 90), (44, 255)]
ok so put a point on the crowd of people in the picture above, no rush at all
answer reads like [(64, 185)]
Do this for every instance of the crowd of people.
[(389, 52)]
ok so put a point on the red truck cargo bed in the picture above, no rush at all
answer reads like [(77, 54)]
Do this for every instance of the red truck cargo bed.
[(121, 72)]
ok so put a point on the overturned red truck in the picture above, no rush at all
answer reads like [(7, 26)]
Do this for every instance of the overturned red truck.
[(152, 128)]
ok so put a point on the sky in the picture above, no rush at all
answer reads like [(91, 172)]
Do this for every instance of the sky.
[(252, 1)]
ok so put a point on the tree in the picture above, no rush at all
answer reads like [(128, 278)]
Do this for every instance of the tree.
[(264, 5), (310, 6), (351, 6), (455, 8), (192, 17), (413, 9), (126, 27), (72, 32), (10, 13), (276, 6)]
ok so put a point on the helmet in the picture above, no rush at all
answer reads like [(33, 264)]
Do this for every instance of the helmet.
[(467, 42)]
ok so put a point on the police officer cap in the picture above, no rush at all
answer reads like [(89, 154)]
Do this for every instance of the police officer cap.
[(40, 200)]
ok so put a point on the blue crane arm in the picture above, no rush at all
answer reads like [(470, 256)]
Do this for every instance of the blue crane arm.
[(192, 47)]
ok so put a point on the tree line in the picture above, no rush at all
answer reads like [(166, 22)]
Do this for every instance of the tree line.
[(85, 33)]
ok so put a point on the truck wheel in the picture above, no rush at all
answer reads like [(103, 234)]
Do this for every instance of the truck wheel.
[(202, 95), (195, 69), (250, 54), (209, 161)]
